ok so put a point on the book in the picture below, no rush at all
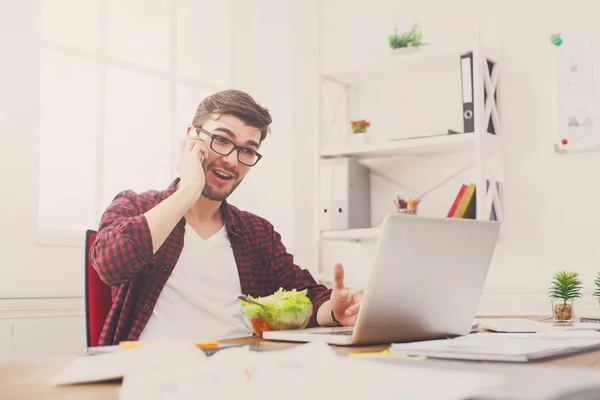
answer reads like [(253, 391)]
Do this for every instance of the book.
[(467, 206), (456, 202)]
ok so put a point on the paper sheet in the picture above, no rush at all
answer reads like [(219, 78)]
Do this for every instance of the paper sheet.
[(291, 374), (512, 325), (520, 325), (577, 90), (110, 366), (504, 346)]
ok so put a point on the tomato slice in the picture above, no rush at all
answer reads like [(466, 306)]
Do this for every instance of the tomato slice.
[(259, 326)]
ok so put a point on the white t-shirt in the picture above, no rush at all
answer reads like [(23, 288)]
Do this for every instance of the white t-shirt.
[(199, 300)]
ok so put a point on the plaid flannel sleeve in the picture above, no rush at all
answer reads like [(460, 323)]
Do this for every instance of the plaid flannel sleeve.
[(123, 244), (291, 276)]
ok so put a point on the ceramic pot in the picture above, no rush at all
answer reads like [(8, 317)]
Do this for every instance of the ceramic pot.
[(357, 139)]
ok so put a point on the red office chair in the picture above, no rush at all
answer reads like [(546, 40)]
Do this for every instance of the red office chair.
[(98, 298)]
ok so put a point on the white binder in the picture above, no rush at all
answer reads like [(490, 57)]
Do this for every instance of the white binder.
[(345, 194), (340, 200), (466, 67), (325, 193)]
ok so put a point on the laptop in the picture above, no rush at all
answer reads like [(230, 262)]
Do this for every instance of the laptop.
[(425, 283)]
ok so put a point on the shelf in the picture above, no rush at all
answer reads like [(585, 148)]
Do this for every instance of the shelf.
[(352, 234), (366, 234), (399, 63), (459, 142)]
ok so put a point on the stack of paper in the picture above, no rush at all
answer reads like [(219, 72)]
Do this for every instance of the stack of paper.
[(504, 346), (115, 365), (181, 371), (290, 373)]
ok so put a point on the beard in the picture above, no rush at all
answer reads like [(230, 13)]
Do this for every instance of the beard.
[(219, 193)]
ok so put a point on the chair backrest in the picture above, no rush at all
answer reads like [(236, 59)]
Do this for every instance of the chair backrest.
[(98, 298)]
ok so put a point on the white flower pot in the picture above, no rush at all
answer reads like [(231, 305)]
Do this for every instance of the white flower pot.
[(357, 139), (405, 50)]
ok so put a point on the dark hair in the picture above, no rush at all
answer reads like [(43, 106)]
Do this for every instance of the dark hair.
[(237, 103)]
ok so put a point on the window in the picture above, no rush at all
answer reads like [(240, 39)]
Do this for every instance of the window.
[(120, 81)]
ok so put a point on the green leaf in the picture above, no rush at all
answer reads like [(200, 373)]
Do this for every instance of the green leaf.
[(566, 285), (280, 302), (409, 38), (597, 284)]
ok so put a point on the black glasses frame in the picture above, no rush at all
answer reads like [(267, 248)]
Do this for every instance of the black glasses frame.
[(235, 146)]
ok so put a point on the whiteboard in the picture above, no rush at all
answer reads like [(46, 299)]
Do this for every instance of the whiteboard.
[(577, 92)]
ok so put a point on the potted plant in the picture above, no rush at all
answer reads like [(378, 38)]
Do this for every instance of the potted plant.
[(597, 285), (409, 39), (565, 288), (359, 131)]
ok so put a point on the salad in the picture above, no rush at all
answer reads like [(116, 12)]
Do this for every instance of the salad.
[(284, 309)]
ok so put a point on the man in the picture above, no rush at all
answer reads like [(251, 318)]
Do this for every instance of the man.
[(177, 259)]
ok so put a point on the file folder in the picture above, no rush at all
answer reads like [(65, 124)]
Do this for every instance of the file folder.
[(325, 193), (466, 69), (351, 194)]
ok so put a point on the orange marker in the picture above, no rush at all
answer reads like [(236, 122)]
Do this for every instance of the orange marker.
[(134, 344)]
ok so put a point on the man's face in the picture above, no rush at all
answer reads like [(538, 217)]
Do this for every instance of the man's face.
[(224, 173)]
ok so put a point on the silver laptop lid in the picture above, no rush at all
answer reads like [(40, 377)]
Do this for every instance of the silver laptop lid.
[(427, 278)]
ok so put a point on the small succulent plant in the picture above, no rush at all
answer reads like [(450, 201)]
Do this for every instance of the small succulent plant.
[(565, 286), (597, 286)]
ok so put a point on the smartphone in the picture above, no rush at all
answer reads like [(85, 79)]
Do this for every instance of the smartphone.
[(188, 132)]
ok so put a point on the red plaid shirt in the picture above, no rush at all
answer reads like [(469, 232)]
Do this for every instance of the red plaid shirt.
[(122, 256)]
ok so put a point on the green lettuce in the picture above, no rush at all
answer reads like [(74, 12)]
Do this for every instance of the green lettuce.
[(280, 302)]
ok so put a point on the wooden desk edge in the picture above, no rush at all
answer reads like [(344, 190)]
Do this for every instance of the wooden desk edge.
[(30, 379)]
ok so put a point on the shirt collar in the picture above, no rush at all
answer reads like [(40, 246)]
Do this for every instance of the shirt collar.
[(233, 221)]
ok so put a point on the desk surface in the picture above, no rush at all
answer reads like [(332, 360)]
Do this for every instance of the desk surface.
[(29, 379)]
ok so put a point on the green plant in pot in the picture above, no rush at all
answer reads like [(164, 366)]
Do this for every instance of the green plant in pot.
[(597, 286), (411, 38), (566, 287)]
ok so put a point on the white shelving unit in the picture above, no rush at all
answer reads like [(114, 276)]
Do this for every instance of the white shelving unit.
[(437, 144), (482, 147)]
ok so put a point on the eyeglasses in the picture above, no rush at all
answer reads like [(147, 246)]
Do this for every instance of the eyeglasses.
[(223, 146)]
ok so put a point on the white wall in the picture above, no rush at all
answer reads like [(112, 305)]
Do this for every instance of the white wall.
[(550, 199), (274, 46), (19, 105), (262, 66), (305, 44)]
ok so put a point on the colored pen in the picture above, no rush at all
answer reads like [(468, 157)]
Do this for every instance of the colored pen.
[(133, 344)]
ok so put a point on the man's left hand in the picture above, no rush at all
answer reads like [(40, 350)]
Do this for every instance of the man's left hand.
[(344, 301)]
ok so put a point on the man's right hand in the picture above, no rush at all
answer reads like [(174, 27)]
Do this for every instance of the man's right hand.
[(192, 153), (163, 217)]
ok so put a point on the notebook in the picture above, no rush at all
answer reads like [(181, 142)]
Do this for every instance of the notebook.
[(521, 325), (505, 347), (514, 325)]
